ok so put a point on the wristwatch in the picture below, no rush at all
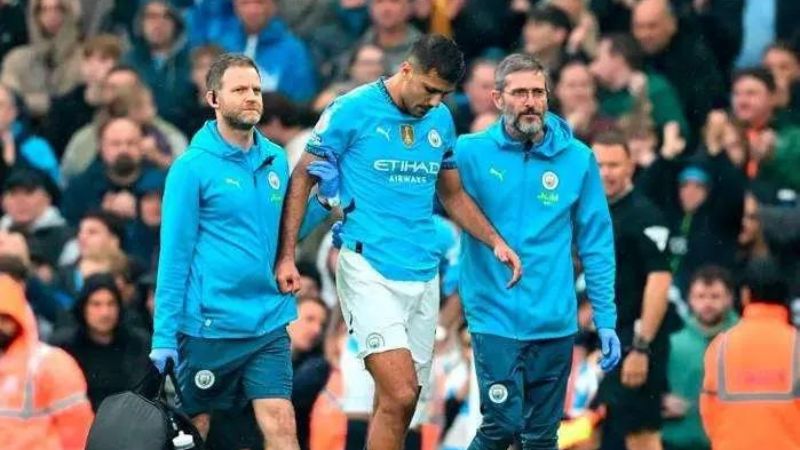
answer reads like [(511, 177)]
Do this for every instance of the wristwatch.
[(640, 345)]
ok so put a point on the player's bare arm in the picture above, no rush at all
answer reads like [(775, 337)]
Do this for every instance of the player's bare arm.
[(462, 209)]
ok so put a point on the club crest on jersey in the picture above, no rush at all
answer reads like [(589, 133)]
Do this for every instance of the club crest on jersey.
[(204, 379), (407, 134), (434, 139), (549, 180), (274, 180)]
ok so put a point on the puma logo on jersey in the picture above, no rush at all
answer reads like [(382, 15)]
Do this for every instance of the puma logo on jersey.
[(384, 132), (500, 175)]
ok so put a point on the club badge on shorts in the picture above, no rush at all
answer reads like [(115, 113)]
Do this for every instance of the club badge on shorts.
[(407, 134), (204, 379), (374, 341), (498, 393)]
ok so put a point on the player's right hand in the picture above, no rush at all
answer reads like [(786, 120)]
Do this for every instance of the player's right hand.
[(508, 257), (287, 276), (159, 356)]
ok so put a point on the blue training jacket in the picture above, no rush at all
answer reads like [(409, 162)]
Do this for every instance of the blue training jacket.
[(219, 237), (542, 200)]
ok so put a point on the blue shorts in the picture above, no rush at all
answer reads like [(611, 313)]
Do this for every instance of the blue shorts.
[(523, 386), (218, 374)]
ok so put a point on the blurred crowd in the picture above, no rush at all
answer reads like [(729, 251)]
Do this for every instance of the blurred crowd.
[(97, 98)]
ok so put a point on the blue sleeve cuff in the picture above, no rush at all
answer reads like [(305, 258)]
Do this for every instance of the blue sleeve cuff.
[(605, 322), (316, 151)]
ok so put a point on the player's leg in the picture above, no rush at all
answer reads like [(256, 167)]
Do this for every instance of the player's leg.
[(396, 391), (643, 440), (547, 367), (267, 382), (498, 364)]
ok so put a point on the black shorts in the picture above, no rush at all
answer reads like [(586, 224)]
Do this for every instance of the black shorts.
[(634, 410)]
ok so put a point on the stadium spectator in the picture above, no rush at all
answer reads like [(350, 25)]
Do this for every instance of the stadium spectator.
[(59, 415), (160, 55), (29, 203), (19, 146), (576, 101), (197, 109), (13, 27), (49, 65), (711, 294), (681, 56), (365, 65), (784, 62), (117, 178), (477, 96), (620, 73), (77, 107), (112, 355), (750, 371), (774, 140), (284, 62), (391, 31), (545, 36), (283, 123)]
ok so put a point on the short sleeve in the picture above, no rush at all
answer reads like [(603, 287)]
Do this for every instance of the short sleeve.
[(333, 132), (449, 156), (651, 243)]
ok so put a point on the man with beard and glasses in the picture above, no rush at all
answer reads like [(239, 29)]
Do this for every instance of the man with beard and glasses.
[(117, 179), (394, 141), (218, 311), (541, 188)]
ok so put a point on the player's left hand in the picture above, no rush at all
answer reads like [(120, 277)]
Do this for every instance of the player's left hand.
[(508, 257), (336, 234), (328, 174), (634, 369), (287, 276), (610, 348)]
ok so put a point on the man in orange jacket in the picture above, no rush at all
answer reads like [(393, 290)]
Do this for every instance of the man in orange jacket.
[(751, 390), (43, 403)]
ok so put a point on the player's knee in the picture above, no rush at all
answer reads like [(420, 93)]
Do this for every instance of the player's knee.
[(400, 400), (498, 433), (276, 421)]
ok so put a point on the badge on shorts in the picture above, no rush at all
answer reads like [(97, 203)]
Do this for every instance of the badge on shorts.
[(498, 393), (274, 180), (407, 133), (204, 379), (374, 341)]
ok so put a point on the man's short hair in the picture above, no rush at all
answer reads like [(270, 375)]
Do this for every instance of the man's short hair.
[(518, 62), (709, 274), (612, 137), (759, 73), (104, 45), (205, 51), (627, 47), (764, 279), (439, 53), (221, 65), (113, 223), (29, 180), (552, 15)]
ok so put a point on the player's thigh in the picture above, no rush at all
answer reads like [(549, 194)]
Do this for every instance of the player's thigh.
[(268, 373), (209, 373), (498, 366), (422, 328), (275, 417), (644, 440)]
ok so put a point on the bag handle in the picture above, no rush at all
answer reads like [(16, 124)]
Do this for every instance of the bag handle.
[(169, 372)]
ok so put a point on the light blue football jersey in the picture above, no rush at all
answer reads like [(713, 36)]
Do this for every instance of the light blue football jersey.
[(389, 163)]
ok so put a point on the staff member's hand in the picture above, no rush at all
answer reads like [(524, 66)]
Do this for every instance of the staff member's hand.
[(159, 356), (610, 348), (634, 369), (505, 255)]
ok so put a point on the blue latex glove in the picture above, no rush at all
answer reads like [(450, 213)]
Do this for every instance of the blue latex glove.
[(159, 356), (337, 234), (610, 347), (328, 174)]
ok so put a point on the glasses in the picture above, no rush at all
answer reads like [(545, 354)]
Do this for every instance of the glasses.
[(524, 94)]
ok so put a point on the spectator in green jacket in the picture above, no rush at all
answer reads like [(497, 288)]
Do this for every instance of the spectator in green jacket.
[(711, 305)]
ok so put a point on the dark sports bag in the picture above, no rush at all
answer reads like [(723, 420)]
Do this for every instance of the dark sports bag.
[(134, 420)]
